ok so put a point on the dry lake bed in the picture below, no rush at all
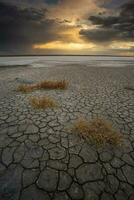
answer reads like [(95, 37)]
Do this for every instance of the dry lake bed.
[(40, 156)]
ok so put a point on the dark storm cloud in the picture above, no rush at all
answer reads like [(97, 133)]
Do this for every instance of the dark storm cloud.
[(51, 1), (109, 28), (22, 27), (113, 4), (99, 35)]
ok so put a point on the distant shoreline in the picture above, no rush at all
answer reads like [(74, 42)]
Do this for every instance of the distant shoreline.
[(30, 55)]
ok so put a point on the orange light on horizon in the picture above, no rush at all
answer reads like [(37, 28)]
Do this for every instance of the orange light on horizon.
[(63, 46), (122, 45)]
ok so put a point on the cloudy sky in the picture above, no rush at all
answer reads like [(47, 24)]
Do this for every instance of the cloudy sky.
[(67, 27)]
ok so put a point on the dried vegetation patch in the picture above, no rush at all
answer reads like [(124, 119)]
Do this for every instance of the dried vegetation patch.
[(53, 85), (99, 131), (42, 102), (62, 85)]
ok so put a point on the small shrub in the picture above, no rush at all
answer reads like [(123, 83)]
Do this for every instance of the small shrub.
[(98, 131), (53, 85), (42, 102), (44, 85), (25, 88)]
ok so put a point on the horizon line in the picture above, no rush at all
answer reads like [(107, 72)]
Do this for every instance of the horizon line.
[(21, 55)]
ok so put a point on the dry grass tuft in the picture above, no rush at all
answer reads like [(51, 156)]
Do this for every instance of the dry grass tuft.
[(53, 85), (25, 88), (129, 87), (98, 131), (44, 85), (42, 102)]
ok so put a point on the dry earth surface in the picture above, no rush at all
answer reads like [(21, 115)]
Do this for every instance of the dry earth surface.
[(40, 159)]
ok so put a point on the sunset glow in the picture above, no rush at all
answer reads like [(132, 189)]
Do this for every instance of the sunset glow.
[(67, 27), (63, 46)]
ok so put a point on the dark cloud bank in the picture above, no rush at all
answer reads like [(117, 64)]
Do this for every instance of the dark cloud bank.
[(110, 28), (22, 27)]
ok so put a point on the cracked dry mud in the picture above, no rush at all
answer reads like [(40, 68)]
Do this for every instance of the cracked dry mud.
[(41, 159)]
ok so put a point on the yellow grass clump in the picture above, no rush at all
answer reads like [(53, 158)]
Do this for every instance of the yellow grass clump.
[(99, 131), (42, 102), (44, 85), (53, 85), (25, 88)]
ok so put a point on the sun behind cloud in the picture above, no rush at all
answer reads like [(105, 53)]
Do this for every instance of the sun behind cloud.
[(63, 46), (67, 27)]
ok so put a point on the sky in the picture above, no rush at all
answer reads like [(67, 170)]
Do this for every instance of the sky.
[(79, 27)]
